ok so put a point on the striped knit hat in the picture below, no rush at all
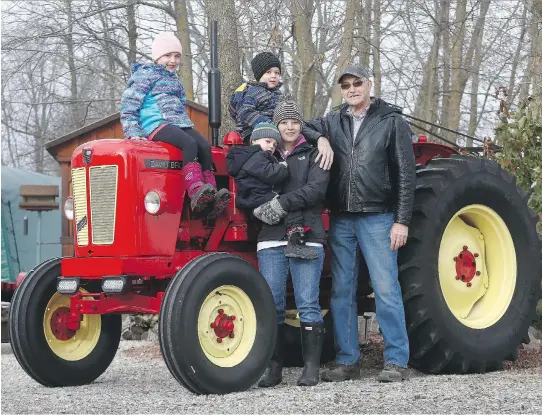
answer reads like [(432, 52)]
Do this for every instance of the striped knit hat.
[(287, 109), (265, 130)]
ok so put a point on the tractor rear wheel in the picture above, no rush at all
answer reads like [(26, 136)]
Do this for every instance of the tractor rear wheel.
[(470, 272), (46, 349), (217, 325)]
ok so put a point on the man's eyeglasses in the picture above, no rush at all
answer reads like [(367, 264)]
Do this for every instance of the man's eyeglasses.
[(355, 84)]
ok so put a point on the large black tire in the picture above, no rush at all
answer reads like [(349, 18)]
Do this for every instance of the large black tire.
[(293, 354), (28, 339), (183, 325), (440, 342)]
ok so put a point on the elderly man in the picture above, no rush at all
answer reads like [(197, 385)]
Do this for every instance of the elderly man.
[(370, 196)]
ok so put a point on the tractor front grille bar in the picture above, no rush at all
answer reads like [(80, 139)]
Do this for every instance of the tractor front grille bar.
[(103, 203)]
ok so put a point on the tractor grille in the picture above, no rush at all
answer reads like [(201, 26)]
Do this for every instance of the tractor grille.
[(79, 186), (103, 203)]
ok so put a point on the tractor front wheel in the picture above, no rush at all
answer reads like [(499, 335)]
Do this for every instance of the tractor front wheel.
[(217, 325), (47, 350), (470, 272)]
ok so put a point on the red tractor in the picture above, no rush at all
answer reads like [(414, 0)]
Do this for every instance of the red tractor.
[(470, 272)]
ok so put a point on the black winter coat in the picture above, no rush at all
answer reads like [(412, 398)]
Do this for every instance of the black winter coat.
[(256, 172), (305, 191), (376, 173)]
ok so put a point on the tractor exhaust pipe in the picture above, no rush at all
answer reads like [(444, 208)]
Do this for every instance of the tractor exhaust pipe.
[(215, 110)]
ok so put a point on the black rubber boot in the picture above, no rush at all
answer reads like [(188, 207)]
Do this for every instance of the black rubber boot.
[(273, 375), (296, 245), (312, 338)]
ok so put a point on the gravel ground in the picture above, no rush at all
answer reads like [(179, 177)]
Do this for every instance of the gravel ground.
[(138, 381)]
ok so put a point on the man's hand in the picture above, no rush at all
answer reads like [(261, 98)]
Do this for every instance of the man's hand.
[(398, 234), (325, 153), (137, 138)]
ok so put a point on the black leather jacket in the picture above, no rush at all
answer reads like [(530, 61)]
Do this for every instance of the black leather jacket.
[(376, 173)]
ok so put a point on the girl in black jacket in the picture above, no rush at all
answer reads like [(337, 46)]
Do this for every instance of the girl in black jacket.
[(304, 191)]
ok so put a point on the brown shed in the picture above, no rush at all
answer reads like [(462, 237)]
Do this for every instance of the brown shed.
[(62, 148)]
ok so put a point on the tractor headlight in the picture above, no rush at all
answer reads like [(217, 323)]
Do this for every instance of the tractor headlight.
[(68, 208), (152, 202)]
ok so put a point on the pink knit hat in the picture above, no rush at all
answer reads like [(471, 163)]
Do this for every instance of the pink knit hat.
[(164, 43)]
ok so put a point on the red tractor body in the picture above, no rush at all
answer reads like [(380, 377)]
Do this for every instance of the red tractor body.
[(115, 236)]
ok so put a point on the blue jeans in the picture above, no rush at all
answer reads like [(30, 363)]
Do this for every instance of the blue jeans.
[(305, 278), (372, 233)]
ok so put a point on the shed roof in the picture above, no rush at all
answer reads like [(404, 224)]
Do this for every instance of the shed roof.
[(51, 145)]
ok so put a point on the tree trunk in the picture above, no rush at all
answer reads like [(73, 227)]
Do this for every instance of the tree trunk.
[(376, 48), (462, 62), (132, 33), (229, 60), (183, 30), (346, 49), (457, 70), (365, 22), (445, 30), (427, 103), (68, 38), (512, 91), (302, 12), (537, 56)]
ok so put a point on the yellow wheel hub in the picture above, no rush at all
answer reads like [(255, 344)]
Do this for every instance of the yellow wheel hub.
[(67, 344), (227, 326), (477, 266)]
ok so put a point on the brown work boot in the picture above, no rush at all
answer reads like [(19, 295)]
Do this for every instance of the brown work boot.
[(339, 373), (393, 373)]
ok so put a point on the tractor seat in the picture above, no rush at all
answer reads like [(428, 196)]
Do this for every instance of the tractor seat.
[(233, 138)]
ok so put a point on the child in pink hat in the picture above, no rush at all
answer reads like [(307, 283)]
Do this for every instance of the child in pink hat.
[(153, 107)]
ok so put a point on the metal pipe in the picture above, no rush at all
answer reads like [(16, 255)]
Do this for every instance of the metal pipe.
[(214, 88), (38, 242)]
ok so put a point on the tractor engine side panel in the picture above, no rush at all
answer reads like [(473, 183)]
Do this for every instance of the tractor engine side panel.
[(159, 232)]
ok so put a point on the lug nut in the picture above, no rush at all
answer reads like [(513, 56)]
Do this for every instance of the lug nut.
[(232, 335), (457, 277), (219, 340), (476, 255), (220, 311), (469, 284), (455, 258), (474, 264), (478, 273), (232, 318), (465, 247)]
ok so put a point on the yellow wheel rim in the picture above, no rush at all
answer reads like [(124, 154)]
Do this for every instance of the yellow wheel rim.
[(69, 345), (292, 317), (477, 266), (227, 326)]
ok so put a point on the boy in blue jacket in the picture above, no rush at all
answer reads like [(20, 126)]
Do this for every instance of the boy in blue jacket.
[(255, 101)]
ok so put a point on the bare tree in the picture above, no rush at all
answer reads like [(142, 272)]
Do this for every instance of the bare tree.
[(228, 59)]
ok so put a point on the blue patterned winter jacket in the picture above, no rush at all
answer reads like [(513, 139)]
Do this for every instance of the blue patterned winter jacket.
[(154, 96)]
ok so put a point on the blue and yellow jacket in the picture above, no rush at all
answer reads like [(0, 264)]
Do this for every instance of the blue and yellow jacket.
[(154, 96), (253, 103)]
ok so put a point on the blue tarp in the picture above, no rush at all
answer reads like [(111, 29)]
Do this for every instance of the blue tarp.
[(19, 250)]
